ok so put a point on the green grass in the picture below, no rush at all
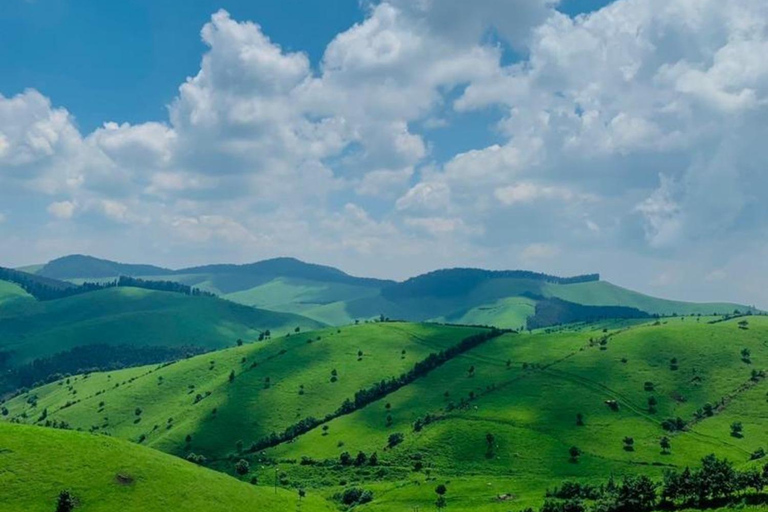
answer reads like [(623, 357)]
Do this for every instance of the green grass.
[(135, 317), (106, 474), (602, 293), (12, 293), (526, 389), (246, 409)]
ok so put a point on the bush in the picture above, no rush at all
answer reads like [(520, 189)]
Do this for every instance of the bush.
[(356, 496), (242, 467)]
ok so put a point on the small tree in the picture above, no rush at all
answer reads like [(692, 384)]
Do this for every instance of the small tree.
[(373, 460), (232, 376), (737, 429), (242, 467), (575, 453), (652, 403), (302, 494), (360, 459), (239, 343), (629, 444), (471, 371), (665, 445), (66, 502), (579, 420)]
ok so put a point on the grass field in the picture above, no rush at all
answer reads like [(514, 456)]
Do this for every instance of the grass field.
[(12, 293), (526, 390), (131, 316), (106, 474)]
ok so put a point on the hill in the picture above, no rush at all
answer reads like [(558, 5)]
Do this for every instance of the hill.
[(507, 299), (41, 334), (494, 421), (105, 474), (80, 266), (291, 377)]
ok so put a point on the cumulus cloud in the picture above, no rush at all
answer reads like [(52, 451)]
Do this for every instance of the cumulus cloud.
[(638, 129)]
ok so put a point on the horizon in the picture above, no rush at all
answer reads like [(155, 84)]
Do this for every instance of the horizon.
[(563, 137)]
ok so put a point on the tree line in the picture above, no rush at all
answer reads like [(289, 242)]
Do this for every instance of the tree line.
[(378, 390), (44, 289), (716, 483)]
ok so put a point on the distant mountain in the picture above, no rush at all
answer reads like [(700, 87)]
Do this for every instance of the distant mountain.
[(507, 298), (84, 267)]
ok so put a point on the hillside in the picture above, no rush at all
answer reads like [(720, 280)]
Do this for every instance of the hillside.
[(291, 377), (507, 299), (80, 266), (105, 474), (129, 317), (525, 390)]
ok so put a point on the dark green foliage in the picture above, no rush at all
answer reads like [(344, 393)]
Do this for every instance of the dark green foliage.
[(93, 358), (65, 502), (395, 439), (242, 467), (355, 496)]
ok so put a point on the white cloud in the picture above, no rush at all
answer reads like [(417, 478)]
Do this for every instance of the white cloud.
[(536, 253), (62, 209), (263, 155)]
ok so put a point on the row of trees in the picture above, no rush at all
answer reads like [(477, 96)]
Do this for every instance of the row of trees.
[(716, 482), (378, 390)]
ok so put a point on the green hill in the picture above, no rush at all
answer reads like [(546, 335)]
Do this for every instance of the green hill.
[(105, 474), (290, 377), (11, 292), (135, 321), (525, 390), (508, 299), (80, 266)]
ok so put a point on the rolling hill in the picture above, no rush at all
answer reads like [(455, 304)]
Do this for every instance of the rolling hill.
[(493, 421), (117, 327), (105, 474), (507, 299)]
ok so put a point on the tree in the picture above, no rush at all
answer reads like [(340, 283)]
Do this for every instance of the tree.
[(242, 467), (239, 343), (629, 444), (489, 440), (395, 439), (373, 460), (579, 420), (188, 438), (652, 403), (360, 459), (345, 459), (440, 502), (232, 376), (575, 453), (302, 494), (471, 371), (746, 355), (665, 444), (737, 429), (66, 502)]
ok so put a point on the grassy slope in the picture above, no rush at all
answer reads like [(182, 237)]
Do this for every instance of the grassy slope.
[(246, 409), (135, 316), (530, 411), (10, 292), (37, 463), (324, 302), (602, 293)]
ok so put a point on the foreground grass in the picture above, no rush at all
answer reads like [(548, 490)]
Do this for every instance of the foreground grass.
[(107, 474)]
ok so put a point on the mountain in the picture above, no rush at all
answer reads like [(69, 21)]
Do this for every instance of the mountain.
[(509, 299), (105, 474), (491, 415), (88, 267)]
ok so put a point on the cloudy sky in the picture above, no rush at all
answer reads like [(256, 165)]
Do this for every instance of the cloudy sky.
[(392, 137)]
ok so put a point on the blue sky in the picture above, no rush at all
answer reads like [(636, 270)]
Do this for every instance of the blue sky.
[(124, 61), (496, 133)]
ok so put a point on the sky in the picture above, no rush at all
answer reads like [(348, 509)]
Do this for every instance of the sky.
[(393, 137)]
